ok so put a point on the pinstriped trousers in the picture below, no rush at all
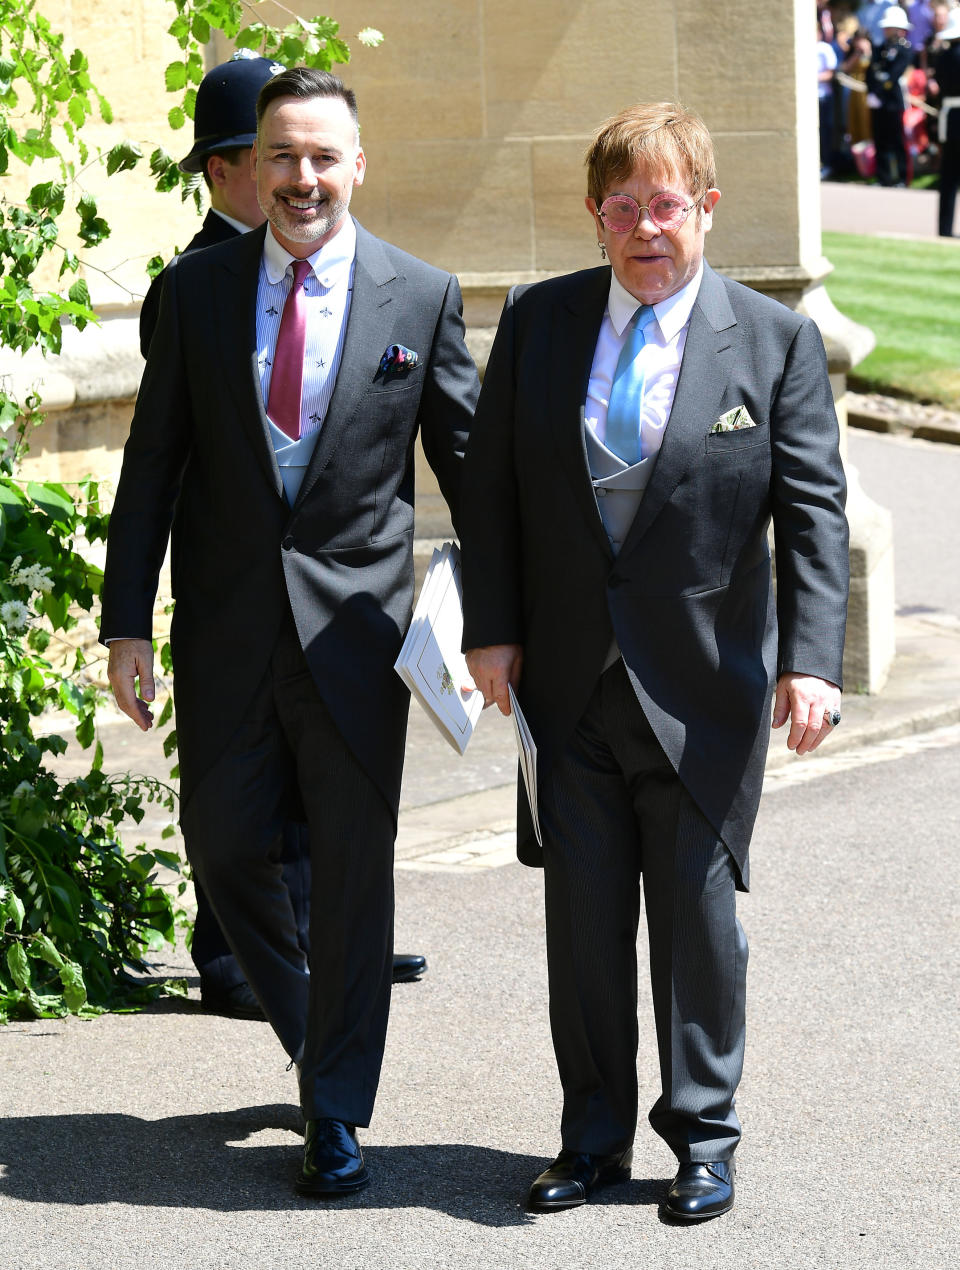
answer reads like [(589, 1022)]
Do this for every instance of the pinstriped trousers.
[(617, 822)]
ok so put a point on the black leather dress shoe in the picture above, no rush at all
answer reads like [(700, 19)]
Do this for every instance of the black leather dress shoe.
[(700, 1191), (573, 1175), (237, 1002), (332, 1160), (407, 967)]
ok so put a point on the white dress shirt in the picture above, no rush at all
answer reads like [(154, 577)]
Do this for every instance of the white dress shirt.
[(663, 353), (232, 221), (327, 289)]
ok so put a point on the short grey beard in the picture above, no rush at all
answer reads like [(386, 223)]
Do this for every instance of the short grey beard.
[(305, 233)]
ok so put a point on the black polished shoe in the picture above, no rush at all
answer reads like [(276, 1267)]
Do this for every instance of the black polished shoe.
[(407, 967), (237, 1002), (332, 1160), (573, 1175), (700, 1191)]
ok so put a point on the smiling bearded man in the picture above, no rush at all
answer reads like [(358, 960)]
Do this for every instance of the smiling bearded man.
[(278, 442)]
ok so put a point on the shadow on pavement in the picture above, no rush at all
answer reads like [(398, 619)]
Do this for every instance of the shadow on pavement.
[(210, 1162)]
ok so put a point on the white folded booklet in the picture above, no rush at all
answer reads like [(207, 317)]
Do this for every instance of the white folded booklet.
[(430, 662), (527, 750)]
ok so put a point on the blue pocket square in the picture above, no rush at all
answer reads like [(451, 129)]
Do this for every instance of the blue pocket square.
[(397, 358)]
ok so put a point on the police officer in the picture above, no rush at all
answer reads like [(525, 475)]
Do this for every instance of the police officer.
[(225, 128)]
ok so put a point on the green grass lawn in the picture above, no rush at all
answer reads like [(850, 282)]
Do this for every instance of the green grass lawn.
[(908, 293)]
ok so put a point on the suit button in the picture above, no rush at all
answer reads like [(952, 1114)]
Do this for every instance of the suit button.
[(289, 542), (615, 580), (601, 492)]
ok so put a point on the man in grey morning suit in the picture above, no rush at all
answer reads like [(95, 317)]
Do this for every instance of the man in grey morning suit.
[(225, 125), (293, 575), (638, 428)]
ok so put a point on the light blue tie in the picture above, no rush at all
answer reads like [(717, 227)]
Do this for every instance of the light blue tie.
[(626, 393)]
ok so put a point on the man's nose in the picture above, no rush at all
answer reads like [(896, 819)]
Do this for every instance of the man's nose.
[(305, 172), (646, 228)]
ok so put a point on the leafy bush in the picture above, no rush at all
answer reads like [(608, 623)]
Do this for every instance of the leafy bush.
[(77, 913)]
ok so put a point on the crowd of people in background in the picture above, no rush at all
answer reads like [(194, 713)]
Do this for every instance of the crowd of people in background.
[(888, 84)]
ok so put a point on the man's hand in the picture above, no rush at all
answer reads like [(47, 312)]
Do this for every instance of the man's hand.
[(129, 660), (492, 668), (805, 701)]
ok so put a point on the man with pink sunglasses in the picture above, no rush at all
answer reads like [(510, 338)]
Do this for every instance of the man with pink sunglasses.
[(639, 427)]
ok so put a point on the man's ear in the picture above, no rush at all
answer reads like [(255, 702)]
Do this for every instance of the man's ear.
[(215, 166), (591, 207)]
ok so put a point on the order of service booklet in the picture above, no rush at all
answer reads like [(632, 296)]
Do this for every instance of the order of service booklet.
[(430, 662), (527, 751)]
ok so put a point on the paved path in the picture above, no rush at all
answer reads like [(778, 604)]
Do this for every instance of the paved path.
[(170, 1138), (872, 209)]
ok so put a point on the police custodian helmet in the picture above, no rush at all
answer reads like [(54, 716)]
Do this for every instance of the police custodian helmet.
[(225, 116)]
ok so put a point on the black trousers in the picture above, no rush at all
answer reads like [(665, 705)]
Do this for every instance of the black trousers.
[(614, 812), (949, 178), (334, 1021), (890, 146), (210, 951)]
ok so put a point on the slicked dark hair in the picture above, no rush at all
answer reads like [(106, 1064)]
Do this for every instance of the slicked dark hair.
[(303, 82)]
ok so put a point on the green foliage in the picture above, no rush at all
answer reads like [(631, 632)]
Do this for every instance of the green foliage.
[(77, 912)]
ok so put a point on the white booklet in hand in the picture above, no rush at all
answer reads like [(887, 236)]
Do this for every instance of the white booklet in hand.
[(430, 662), (527, 750)]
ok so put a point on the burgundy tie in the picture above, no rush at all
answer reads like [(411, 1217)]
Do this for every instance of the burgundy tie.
[(286, 377)]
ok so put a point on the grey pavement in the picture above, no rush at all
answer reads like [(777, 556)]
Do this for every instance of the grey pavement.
[(171, 1137), (848, 207)]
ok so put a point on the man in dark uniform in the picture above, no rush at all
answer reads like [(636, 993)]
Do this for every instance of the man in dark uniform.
[(947, 75), (225, 126), (890, 61)]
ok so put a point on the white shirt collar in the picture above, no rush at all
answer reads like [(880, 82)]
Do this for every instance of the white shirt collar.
[(232, 221), (328, 263), (672, 314)]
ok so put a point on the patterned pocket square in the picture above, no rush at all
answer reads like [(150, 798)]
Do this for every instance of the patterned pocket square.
[(733, 421), (397, 358)]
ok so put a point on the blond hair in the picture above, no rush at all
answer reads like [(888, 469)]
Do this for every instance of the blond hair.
[(663, 136)]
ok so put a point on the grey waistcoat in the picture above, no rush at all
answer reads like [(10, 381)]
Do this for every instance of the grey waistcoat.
[(292, 458), (619, 490)]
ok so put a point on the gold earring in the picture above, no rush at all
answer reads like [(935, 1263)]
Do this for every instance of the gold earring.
[(603, 250)]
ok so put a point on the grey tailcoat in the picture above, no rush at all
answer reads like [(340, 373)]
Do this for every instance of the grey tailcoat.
[(689, 598), (198, 457)]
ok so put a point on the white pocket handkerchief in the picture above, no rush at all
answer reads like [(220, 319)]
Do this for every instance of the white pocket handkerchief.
[(733, 421)]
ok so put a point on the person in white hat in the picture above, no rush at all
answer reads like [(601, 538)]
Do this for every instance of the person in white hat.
[(889, 63), (946, 68)]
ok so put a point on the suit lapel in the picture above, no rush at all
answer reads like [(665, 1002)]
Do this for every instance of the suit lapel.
[(576, 328), (703, 376), (235, 305), (369, 327)]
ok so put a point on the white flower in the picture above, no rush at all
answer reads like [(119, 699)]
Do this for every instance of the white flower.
[(14, 567), (35, 577), (15, 615), (370, 37), (23, 788)]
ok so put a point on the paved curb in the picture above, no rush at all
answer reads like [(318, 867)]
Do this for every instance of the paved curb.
[(873, 420)]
